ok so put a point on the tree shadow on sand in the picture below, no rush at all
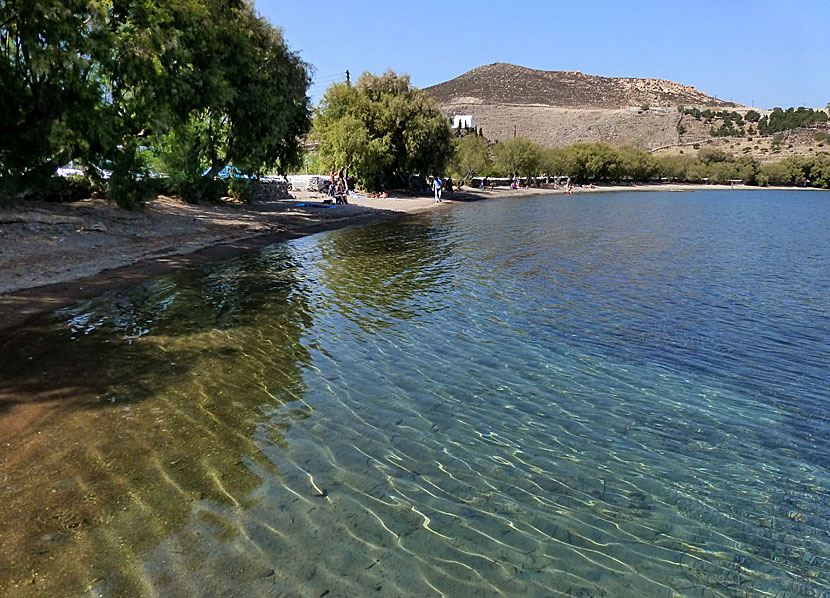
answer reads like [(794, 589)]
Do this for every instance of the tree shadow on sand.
[(118, 415)]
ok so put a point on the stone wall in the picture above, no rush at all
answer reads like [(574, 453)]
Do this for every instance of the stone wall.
[(271, 190), (309, 182)]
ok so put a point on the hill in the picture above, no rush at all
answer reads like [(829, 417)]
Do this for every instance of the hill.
[(502, 83), (558, 108)]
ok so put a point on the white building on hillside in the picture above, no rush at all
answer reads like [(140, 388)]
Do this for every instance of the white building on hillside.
[(464, 121)]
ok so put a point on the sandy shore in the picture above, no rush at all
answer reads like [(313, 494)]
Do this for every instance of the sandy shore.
[(54, 254)]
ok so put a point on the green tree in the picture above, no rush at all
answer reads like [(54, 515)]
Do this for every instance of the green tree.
[(557, 161), (213, 83), (471, 157), (594, 162), (746, 169), (108, 83), (752, 116), (820, 170), (250, 109), (798, 170), (267, 112), (518, 156), (773, 173), (635, 164), (144, 53), (710, 155), (720, 172), (673, 168), (383, 129), (50, 84)]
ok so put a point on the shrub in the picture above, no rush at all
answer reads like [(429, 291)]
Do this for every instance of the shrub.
[(62, 189), (130, 193), (243, 190), (753, 116), (194, 188)]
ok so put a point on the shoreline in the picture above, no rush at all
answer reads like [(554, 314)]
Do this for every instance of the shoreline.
[(59, 254)]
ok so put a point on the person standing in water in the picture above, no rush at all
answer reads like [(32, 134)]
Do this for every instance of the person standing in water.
[(436, 185)]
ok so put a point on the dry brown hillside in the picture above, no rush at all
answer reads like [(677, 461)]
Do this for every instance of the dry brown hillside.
[(502, 83), (558, 108)]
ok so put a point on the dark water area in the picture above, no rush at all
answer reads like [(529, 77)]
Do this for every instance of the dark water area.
[(600, 395)]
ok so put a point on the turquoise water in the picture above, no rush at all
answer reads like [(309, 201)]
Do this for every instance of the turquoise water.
[(599, 395)]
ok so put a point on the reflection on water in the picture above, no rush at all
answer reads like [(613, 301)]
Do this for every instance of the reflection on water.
[(597, 396)]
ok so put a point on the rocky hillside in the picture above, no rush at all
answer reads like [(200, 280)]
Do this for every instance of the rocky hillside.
[(509, 84), (558, 108)]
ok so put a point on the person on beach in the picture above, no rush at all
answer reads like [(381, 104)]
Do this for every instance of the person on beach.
[(436, 185), (332, 184)]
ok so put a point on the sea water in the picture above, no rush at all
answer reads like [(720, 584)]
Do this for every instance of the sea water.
[(591, 395)]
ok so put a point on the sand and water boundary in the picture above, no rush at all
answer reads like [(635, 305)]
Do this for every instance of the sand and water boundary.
[(52, 255)]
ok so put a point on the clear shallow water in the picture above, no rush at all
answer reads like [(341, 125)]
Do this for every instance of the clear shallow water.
[(604, 395)]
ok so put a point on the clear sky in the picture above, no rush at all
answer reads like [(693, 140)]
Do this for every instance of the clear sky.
[(764, 53)]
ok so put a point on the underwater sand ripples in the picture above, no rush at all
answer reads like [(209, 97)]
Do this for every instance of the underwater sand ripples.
[(574, 463)]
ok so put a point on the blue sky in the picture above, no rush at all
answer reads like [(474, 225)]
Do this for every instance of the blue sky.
[(760, 53)]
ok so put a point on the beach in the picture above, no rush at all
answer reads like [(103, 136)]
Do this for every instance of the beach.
[(53, 254)]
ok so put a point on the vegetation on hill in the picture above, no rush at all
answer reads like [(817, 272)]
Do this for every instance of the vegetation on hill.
[(114, 87), (383, 130), (732, 123), (791, 118)]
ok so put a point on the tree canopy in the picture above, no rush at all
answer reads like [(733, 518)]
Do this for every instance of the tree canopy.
[(518, 156), (111, 83), (383, 129), (471, 156), (600, 162), (49, 81)]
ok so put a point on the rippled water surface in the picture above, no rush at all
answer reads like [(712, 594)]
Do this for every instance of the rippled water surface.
[(604, 395)]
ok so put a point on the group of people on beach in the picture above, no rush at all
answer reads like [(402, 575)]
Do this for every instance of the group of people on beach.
[(339, 185)]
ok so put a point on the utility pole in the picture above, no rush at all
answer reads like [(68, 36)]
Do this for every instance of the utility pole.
[(514, 131), (348, 81)]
